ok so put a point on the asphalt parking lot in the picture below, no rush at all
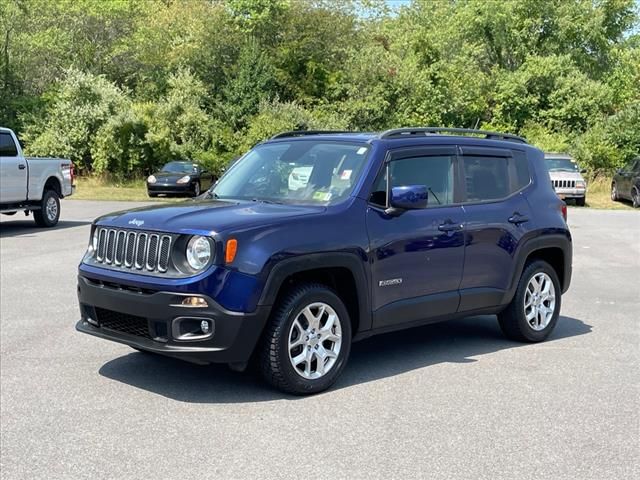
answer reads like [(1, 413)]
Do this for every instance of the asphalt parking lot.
[(452, 400)]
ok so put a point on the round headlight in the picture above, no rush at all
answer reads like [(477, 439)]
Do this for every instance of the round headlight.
[(151, 179), (198, 252)]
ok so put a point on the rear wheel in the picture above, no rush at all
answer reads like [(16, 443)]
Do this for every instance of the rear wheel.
[(535, 307), (307, 342), (49, 212)]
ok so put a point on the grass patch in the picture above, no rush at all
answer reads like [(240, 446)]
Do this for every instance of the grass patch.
[(95, 188)]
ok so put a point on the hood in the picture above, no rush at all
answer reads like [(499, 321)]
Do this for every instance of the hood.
[(560, 175), (204, 216)]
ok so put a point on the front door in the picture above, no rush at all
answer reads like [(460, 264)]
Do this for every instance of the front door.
[(416, 256), (13, 171)]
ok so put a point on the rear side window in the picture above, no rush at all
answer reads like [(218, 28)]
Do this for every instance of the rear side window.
[(486, 178), (521, 167), (7, 145)]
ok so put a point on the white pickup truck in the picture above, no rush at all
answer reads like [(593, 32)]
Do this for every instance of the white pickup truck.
[(32, 184)]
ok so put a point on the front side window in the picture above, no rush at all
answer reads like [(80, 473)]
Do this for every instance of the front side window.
[(486, 178), (7, 145), (304, 172), (434, 172)]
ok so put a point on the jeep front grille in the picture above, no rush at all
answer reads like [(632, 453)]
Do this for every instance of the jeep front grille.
[(564, 183), (134, 250)]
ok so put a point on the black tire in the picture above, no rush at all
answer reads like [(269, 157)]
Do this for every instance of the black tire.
[(196, 189), (614, 192), (512, 319), (581, 201), (635, 197), (273, 356), (48, 217)]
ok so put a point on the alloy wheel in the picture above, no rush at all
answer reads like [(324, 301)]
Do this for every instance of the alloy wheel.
[(314, 340), (539, 301), (51, 209)]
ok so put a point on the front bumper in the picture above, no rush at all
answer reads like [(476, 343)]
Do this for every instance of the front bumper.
[(234, 334), (571, 192), (169, 188)]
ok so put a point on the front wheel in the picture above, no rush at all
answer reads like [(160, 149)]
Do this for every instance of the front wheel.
[(49, 212), (196, 189), (535, 307), (580, 202), (306, 345), (614, 192), (635, 198)]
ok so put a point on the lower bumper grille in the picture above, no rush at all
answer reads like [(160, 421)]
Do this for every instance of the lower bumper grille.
[(122, 322)]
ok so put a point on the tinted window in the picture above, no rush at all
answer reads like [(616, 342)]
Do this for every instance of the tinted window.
[(486, 178), (180, 167), (7, 145), (435, 172), (523, 177)]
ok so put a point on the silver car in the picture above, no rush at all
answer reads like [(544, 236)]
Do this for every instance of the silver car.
[(566, 177)]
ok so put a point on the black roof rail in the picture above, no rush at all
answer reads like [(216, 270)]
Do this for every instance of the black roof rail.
[(403, 132), (304, 133)]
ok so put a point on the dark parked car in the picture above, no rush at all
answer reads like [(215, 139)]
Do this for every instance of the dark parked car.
[(626, 183), (389, 231), (186, 178)]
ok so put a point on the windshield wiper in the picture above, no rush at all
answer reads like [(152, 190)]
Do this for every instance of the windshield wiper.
[(262, 200)]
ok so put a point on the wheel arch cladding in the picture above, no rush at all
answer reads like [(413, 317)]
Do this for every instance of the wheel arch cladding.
[(342, 272)]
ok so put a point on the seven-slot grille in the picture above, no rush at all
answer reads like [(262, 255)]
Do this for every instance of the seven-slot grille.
[(133, 249), (564, 183)]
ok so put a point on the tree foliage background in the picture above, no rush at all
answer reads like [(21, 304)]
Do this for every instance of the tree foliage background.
[(121, 86)]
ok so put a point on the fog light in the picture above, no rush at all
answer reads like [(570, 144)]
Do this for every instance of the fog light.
[(204, 326), (194, 302)]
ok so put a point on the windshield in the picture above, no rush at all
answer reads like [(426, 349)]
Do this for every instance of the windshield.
[(308, 171), (562, 164), (179, 167)]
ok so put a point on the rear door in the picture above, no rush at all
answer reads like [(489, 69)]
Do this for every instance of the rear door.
[(497, 218), (417, 256), (13, 171)]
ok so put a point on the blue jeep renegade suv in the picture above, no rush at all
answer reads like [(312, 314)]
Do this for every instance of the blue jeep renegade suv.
[(313, 240)]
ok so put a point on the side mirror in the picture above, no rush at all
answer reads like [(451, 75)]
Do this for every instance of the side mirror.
[(409, 197), (583, 170)]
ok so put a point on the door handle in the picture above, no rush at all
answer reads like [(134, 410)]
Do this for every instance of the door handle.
[(449, 227), (22, 166), (517, 219)]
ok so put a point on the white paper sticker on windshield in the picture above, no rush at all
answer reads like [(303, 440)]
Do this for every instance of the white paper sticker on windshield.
[(361, 150), (346, 175), (327, 196)]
